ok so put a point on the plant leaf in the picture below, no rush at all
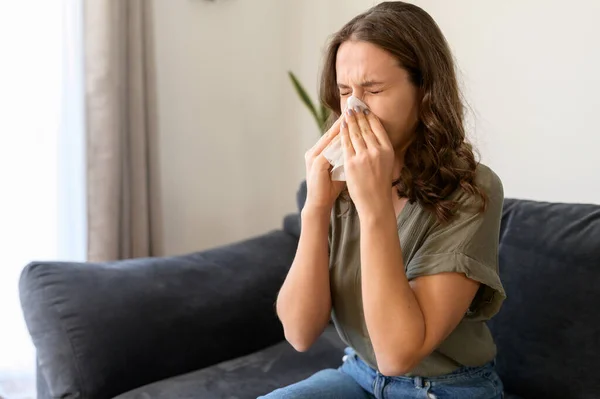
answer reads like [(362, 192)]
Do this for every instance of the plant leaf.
[(325, 112), (305, 97)]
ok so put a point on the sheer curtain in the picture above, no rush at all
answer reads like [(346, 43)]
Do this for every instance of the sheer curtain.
[(42, 207)]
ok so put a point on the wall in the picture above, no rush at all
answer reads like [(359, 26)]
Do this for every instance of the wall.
[(530, 69), (225, 149), (232, 132)]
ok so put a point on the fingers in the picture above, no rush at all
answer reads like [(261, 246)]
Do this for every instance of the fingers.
[(378, 130), (326, 138), (354, 132), (347, 147), (367, 134), (321, 163)]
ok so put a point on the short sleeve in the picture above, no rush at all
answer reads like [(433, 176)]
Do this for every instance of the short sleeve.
[(468, 244)]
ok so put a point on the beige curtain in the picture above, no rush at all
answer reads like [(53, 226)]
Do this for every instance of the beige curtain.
[(122, 185)]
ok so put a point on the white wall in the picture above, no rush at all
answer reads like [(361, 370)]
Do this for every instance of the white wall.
[(232, 131), (225, 146), (531, 70)]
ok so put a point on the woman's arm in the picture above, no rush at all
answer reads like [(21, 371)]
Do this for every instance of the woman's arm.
[(304, 302), (406, 321)]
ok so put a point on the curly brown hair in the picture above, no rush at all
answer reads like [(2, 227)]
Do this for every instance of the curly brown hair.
[(439, 160)]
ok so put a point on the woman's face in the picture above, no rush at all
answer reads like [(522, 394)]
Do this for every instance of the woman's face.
[(374, 75)]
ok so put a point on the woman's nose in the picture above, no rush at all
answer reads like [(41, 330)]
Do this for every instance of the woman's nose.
[(358, 93)]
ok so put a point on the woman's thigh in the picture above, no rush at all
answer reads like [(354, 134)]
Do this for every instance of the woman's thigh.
[(326, 384)]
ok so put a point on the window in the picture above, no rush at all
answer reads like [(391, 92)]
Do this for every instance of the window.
[(42, 208)]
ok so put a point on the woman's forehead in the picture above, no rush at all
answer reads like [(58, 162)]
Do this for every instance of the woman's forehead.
[(357, 60)]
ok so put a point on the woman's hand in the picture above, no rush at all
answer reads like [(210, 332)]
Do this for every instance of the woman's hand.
[(321, 190), (368, 162)]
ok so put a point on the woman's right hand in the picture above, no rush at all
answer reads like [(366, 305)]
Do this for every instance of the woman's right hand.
[(321, 190)]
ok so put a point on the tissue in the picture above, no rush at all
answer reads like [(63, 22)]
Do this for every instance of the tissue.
[(333, 152)]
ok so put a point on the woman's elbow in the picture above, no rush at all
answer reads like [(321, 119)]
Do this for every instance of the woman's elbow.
[(302, 332), (300, 342), (401, 364), (395, 369), (302, 336)]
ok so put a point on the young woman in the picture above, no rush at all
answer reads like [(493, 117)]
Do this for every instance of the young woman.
[(404, 255)]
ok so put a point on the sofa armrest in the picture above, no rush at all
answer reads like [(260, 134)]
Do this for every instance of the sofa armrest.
[(101, 329)]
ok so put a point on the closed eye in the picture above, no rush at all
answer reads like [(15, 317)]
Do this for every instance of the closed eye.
[(370, 92)]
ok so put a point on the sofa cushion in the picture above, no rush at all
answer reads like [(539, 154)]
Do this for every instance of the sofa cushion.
[(249, 376), (101, 329), (548, 330)]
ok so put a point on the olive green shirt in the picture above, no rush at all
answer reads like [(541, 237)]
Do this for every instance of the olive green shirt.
[(467, 244)]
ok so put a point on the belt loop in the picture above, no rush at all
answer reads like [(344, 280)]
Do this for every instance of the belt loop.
[(418, 382)]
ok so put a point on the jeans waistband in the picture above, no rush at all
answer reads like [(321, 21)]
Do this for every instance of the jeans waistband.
[(460, 373)]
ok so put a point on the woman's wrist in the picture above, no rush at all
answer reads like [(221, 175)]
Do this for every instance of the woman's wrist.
[(377, 214), (315, 212)]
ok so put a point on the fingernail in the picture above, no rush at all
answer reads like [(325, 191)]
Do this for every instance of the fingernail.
[(350, 111), (366, 111), (344, 124)]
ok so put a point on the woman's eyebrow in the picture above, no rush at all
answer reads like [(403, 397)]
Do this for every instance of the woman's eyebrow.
[(366, 84)]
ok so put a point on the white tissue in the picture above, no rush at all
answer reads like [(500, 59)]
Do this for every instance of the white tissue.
[(333, 152)]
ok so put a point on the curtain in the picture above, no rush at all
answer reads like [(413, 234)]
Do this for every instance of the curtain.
[(123, 204)]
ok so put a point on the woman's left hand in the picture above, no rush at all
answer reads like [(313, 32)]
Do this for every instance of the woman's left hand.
[(368, 162)]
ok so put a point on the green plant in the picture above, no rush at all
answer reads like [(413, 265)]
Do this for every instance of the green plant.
[(321, 114)]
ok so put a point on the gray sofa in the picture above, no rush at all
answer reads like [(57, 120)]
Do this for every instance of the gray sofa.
[(203, 325)]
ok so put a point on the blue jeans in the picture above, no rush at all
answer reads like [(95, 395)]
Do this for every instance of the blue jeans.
[(357, 380)]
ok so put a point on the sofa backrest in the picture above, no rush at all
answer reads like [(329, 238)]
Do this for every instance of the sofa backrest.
[(548, 330)]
